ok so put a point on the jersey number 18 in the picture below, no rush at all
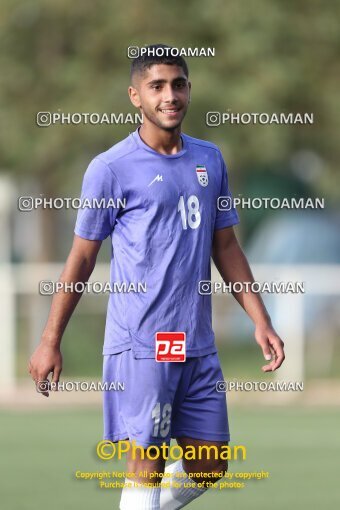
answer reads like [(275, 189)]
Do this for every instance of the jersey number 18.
[(190, 215)]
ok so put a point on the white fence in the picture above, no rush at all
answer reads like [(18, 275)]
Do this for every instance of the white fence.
[(23, 279)]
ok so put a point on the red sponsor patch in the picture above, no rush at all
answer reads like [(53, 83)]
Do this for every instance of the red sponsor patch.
[(170, 346)]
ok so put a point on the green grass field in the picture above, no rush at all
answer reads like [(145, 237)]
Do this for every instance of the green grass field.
[(300, 447)]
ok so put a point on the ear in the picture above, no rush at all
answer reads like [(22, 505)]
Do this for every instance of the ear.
[(189, 85), (134, 97)]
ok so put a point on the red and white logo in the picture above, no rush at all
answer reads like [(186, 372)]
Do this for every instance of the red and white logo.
[(170, 346)]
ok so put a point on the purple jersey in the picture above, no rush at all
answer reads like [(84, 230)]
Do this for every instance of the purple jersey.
[(161, 238)]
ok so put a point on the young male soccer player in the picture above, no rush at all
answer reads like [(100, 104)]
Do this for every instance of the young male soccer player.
[(164, 236)]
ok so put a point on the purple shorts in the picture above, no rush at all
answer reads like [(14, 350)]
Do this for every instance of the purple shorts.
[(166, 400)]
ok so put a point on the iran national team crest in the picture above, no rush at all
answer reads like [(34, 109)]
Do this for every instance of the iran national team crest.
[(202, 175)]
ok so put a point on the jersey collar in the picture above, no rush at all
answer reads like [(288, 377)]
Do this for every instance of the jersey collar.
[(143, 145)]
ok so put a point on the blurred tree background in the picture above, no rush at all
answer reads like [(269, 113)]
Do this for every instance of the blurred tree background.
[(271, 56)]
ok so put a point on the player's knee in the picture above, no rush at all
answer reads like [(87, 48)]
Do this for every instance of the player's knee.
[(215, 467), (220, 467), (152, 469)]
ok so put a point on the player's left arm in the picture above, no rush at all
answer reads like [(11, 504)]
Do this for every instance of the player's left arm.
[(233, 267)]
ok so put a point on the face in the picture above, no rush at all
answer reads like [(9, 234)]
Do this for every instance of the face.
[(163, 94)]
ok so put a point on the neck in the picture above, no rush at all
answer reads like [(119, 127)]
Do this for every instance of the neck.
[(160, 140)]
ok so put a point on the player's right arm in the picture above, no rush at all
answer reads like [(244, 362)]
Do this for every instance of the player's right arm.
[(47, 357)]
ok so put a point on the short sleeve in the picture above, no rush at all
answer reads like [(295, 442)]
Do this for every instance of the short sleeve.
[(101, 196), (226, 215)]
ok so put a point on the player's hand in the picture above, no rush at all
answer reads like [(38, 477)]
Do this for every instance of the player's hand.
[(271, 345), (44, 360)]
